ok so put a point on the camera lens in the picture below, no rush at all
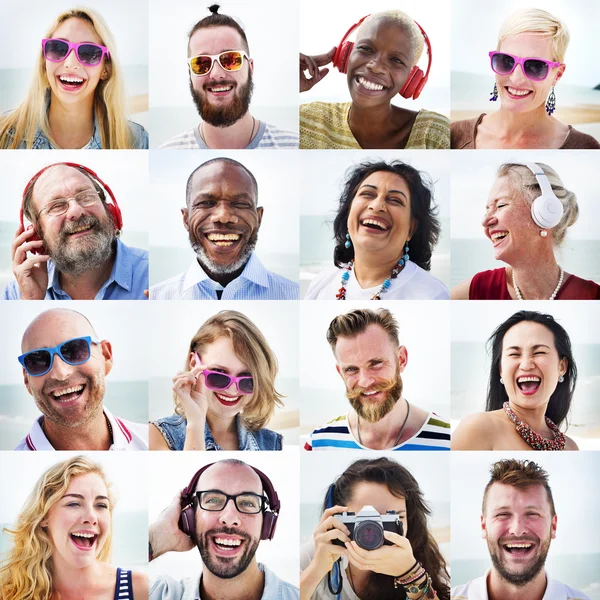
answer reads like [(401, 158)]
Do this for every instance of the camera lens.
[(369, 535)]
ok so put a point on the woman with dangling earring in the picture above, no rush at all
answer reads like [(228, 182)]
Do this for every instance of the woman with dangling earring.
[(528, 63), (531, 385), (520, 227)]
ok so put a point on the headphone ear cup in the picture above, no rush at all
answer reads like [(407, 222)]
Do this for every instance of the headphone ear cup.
[(268, 527), (187, 522), (115, 213), (414, 84), (547, 211), (341, 59)]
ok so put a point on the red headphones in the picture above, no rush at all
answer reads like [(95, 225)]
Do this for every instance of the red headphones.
[(189, 502), (416, 79), (113, 207)]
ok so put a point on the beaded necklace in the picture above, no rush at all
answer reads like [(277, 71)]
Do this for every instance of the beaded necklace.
[(535, 440), (341, 295)]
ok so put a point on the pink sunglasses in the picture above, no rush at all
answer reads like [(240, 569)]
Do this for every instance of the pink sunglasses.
[(536, 69), (87, 53)]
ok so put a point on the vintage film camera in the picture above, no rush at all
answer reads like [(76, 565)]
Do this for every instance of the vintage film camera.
[(367, 527)]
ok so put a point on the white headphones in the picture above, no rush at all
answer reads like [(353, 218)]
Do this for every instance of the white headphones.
[(546, 210)]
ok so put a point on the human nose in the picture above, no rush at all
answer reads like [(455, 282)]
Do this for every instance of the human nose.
[(375, 64), (488, 219), (230, 514), (90, 515), (377, 203), (74, 209), (517, 525), (222, 213), (526, 362), (71, 60)]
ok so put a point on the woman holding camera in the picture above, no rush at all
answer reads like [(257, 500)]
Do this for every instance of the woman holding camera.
[(409, 561)]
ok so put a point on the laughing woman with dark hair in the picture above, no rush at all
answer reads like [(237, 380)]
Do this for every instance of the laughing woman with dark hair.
[(532, 381), (385, 230), (410, 566)]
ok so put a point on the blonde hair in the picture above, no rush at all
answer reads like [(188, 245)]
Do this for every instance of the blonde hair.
[(417, 41), (535, 20), (525, 184), (252, 348), (109, 96), (27, 571)]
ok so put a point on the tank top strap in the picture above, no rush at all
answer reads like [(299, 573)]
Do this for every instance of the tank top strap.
[(123, 586)]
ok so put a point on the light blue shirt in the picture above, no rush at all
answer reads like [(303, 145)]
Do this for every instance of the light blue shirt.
[(166, 588), (127, 281), (254, 283)]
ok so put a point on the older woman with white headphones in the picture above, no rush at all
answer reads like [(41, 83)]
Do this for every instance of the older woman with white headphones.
[(527, 215)]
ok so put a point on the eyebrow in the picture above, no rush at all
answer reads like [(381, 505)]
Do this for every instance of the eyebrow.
[(82, 187), (533, 347), (373, 41), (81, 497), (227, 369), (374, 187), (214, 197)]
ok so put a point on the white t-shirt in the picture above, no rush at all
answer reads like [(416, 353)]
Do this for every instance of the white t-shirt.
[(413, 283), (126, 435)]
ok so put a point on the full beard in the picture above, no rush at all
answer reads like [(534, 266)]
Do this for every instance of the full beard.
[(220, 268), (223, 567), (83, 255), (520, 578), (375, 411), (223, 116)]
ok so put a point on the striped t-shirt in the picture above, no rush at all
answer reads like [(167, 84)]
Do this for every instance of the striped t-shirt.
[(124, 586), (267, 136), (336, 435)]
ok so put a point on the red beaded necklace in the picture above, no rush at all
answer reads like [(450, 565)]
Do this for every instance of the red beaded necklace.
[(535, 440)]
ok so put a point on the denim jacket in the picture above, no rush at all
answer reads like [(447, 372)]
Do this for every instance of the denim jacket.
[(173, 430)]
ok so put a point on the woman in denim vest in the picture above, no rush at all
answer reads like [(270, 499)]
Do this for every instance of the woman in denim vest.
[(226, 392), (76, 98)]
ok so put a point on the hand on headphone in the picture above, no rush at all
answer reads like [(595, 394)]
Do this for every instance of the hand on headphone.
[(165, 535), (312, 64), (31, 272)]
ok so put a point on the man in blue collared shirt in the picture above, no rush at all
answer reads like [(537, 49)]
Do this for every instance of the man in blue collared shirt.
[(222, 219), (79, 255)]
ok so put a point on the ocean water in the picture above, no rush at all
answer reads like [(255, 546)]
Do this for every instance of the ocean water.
[(468, 257), (126, 399)]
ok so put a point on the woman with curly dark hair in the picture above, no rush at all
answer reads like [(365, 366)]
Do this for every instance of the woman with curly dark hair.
[(385, 230), (409, 564)]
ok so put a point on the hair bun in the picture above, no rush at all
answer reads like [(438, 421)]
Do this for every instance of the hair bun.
[(214, 8)]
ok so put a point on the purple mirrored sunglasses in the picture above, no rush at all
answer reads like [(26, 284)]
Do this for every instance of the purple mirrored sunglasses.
[(536, 69)]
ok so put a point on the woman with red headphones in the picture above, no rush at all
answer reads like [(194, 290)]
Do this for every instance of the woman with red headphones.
[(379, 64)]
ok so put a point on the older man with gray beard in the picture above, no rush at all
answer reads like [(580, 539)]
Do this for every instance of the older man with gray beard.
[(72, 250)]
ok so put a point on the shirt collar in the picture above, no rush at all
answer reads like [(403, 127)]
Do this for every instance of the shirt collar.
[(121, 274), (254, 271)]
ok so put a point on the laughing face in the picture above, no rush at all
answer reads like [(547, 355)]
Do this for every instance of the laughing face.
[(228, 539), (222, 218), (380, 215), (530, 365), (508, 224), (379, 63), (81, 239), (370, 367), (517, 93), (220, 356), (70, 81), (221, 97), (518, 526), (79, 523), (68, 395)]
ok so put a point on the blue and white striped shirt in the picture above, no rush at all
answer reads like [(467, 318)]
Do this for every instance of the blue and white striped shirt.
[(255, 283), (268, 136)]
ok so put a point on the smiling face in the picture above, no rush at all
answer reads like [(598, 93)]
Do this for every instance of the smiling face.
[(68, 395), (228, 539), (508, 224), (370, 367), (81, 239), (70, 81), (518, 526), (380, 62), (222, 219), (79, 523), (220, 356), (530, 365), (221, 97), (380, 214), (518, 93)]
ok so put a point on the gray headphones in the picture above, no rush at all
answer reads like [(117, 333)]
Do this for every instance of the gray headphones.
[(546, 210)]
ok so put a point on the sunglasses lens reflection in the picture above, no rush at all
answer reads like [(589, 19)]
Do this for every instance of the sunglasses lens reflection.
[(218, 381), (503, 63), (56, 50), (201, 64), (231, 61), (247, 385), (89, 54), (37, 362), (536, 69), (75, 351)]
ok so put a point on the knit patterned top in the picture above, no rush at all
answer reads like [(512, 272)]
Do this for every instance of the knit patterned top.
[(324, 125)]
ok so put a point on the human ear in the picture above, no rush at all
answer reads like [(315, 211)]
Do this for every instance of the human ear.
[(184, 213), (106, 349), (483, 528)]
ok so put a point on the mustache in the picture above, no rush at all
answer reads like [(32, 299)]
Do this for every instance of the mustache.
[(519, 540), (83, 221), (214, 83), (383, 386), (227, 531)]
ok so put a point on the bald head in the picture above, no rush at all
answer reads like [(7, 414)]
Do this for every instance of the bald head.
[(231, 476), (55, 326)]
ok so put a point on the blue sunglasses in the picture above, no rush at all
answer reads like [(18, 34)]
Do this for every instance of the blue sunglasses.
[(73, 352)]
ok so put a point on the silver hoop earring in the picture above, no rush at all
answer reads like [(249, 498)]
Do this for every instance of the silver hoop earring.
[(501, 381), (561, 379)]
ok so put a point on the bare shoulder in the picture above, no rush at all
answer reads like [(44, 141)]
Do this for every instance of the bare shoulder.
[(570, 445), (475, 432), (156, 441), (461, 291), (139, 582)]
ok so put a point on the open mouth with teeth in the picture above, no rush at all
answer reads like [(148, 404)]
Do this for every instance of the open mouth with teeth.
[(374, 224), (370, 86), (220, 89), (80, 230), (84, 541), (227, 545), (498, 236), (519, 548), (70, 82), (224, 240), (517, 93), (227, 400), (529, 385), (69, 394)]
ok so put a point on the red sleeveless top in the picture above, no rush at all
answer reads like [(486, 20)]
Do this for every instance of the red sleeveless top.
[(491, 285)]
